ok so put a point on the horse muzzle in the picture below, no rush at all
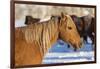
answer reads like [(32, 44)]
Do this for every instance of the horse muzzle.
[(78, 46)]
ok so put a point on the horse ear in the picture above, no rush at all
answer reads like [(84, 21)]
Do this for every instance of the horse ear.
[(63, 16)]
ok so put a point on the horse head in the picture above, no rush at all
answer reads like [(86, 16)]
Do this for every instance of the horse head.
[(68, 31)]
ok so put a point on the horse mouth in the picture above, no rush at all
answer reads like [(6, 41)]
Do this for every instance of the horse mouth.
[(77, 46)]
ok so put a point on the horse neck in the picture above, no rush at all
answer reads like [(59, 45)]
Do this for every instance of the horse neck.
[(49, 36), (45, 35)]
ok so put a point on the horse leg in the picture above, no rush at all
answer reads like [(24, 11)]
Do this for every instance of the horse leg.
[(93, 40), (85, 39)]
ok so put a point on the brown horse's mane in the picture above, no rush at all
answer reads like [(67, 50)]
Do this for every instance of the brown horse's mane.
[(33, 31)]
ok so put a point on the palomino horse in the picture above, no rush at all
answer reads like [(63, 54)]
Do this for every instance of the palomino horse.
[(33, 41)]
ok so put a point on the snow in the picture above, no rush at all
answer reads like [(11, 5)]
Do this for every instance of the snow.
[(68, 57), (71, 54), (49, 61), (60, 53), (45, 19), (19, 23)]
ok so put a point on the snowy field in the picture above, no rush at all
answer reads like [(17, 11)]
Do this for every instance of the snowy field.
[(68, 57), (60, 53)]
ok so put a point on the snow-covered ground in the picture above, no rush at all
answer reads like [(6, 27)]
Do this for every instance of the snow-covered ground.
[(60, 53), (68, 57)]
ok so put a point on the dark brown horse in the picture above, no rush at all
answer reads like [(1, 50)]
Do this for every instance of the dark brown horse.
[(29, 20), (85, 26), (79, 24), (89, 27), (33, 41)]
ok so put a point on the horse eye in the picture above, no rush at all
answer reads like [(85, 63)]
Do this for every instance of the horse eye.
[(70, 28)]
